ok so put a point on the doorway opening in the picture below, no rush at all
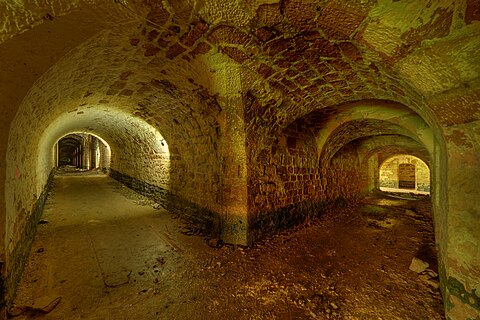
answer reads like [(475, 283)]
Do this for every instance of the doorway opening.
[(406, 174)]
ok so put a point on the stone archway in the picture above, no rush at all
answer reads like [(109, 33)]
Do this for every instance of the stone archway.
[(404, 172)]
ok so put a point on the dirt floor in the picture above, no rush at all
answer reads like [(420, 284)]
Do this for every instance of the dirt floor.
[(104, 252)]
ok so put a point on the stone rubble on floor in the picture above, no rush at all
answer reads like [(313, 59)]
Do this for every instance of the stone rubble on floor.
[(418, 265)]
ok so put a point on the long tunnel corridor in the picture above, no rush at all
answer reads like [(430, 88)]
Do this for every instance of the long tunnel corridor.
[(100, 248), (262, 134), (103, 251)]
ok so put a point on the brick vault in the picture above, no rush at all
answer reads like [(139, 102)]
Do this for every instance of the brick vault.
[(247, 116)]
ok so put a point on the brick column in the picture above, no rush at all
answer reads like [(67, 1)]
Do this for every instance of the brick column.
[(462, 259), (233, 152)]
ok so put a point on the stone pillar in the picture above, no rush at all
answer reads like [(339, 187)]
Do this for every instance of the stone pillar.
[(87, 152), (373, 175), (79, 157), (74, 158), (462, 261), (233, 151), (95, 149)]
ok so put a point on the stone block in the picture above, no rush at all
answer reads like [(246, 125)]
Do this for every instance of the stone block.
[(418, 265)]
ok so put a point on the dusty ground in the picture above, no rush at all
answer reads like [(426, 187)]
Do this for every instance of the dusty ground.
[(109, 253)]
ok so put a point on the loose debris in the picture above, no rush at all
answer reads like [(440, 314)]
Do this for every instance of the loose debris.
[(347, 263), (418, 265)]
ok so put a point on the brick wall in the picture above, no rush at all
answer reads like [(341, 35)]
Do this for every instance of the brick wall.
[(288, 183), (83, 68)]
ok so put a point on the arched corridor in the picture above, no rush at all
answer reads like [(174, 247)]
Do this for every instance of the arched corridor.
[(249, 119)]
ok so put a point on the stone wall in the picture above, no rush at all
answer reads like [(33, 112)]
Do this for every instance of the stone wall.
[(289, 185), (202, 218), (104, 154), (120, 69), (144, 156), (21, 250), (462, 259), (389, 172)]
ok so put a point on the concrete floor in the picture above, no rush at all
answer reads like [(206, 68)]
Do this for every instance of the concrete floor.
[(109, 254), (102, 251)]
